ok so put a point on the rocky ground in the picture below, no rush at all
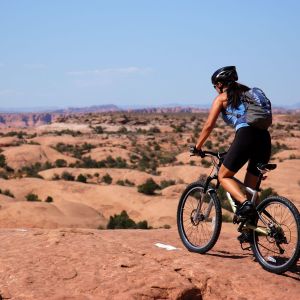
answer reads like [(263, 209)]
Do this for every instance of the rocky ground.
[(125, 264)]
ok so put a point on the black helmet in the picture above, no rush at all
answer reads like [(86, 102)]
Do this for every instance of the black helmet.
[(225, 75)]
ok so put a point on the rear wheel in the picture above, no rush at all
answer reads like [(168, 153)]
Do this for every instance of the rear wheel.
[(279, 250), (199, 218)]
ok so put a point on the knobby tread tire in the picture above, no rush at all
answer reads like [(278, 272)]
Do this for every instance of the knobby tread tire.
[(296, 215), (218, 221)]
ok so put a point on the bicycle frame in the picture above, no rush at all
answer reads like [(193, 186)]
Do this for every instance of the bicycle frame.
[(252, 192)]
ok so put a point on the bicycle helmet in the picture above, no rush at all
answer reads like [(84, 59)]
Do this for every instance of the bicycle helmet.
[(225, 75)]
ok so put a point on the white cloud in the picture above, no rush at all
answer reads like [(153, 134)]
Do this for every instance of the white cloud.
[(111, 71)]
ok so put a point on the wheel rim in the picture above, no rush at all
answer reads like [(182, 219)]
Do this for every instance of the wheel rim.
[(279, 247), (197, 230)]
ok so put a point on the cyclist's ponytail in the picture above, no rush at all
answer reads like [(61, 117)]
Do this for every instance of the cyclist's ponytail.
[(234, 92)]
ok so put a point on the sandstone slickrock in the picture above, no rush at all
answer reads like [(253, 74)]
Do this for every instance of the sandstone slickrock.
[(125, 264)]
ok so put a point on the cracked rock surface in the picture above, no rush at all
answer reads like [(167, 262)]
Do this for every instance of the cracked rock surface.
[(75, 264)]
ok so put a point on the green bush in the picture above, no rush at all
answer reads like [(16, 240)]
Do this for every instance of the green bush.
[(98, 130), (148, 187), (81, 178), (32, 171), (120, 182), (122, 221), (107, 179), (60, 163), (166, 183), (32, 197), (7, 193), (2, 161), (129, 183), (67, 176), (266, 193), (49, 199)]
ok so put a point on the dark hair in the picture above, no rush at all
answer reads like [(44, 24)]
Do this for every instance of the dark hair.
[(234, 93)]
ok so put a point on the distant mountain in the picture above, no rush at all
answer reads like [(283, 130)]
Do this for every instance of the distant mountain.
[(23, 119)]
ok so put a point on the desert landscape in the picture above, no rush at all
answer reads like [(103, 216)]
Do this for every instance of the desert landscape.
[(68, 179)]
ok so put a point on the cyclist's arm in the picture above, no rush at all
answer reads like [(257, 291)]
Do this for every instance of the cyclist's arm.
[(211, 120)]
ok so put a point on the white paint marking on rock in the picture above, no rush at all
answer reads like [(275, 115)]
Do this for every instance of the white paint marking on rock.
[(21, 229), (167, 247)]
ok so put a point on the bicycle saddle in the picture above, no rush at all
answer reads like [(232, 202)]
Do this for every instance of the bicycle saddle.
[(266, 167)]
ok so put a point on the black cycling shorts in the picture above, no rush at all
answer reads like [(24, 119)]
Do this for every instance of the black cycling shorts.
[(249, 144)]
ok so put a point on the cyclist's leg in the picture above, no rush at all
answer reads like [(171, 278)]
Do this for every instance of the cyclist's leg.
[(230, 185), (250, 181), (237, 155), (261, 154)]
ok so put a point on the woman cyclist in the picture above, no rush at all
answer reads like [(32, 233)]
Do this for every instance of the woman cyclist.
[(249, 144)]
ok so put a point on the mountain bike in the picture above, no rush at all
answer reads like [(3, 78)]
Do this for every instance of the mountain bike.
[(274, 230)]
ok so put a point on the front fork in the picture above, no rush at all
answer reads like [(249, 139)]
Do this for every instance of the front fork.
[(199, 206)]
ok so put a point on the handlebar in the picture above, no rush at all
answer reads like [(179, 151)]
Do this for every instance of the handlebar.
[(196, 152)]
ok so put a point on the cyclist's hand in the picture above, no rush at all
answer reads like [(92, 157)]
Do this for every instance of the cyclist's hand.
[(195, 151)]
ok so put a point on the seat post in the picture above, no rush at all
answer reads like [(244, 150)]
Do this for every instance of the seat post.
[(260, 177)]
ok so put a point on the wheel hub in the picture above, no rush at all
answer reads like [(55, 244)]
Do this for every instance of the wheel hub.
[(196, 218)]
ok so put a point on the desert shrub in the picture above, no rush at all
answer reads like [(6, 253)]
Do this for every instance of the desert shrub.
[(142, 225), (166, 183), (192, 163), (3, 175), (98, 130), (67, 131), (67, 176), (122, 221), (266, 193), (60, 163), (122, 130), (75, 150), (107, 178), (205, 163), (7, 193), (49, 199), (167, 226), (120, 182), (167, 158), (208, 144), (2, 161), (153, 130), (32, 197), (277, 147), (81, 178), (129, 183), (149, 187), (32, 171), (119, 162)]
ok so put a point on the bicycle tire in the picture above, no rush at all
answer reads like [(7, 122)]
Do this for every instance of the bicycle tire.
[(216, 223), (269, 263)]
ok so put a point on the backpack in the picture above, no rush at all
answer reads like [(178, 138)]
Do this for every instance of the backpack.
[(258, 110)]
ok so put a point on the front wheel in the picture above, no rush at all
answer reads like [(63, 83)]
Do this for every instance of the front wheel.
[(277, 250), (199, 218)]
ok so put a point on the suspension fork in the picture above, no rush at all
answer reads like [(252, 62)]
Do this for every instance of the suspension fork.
[(210, 205)]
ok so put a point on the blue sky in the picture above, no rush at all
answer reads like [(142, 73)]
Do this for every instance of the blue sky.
[(126, 52)]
